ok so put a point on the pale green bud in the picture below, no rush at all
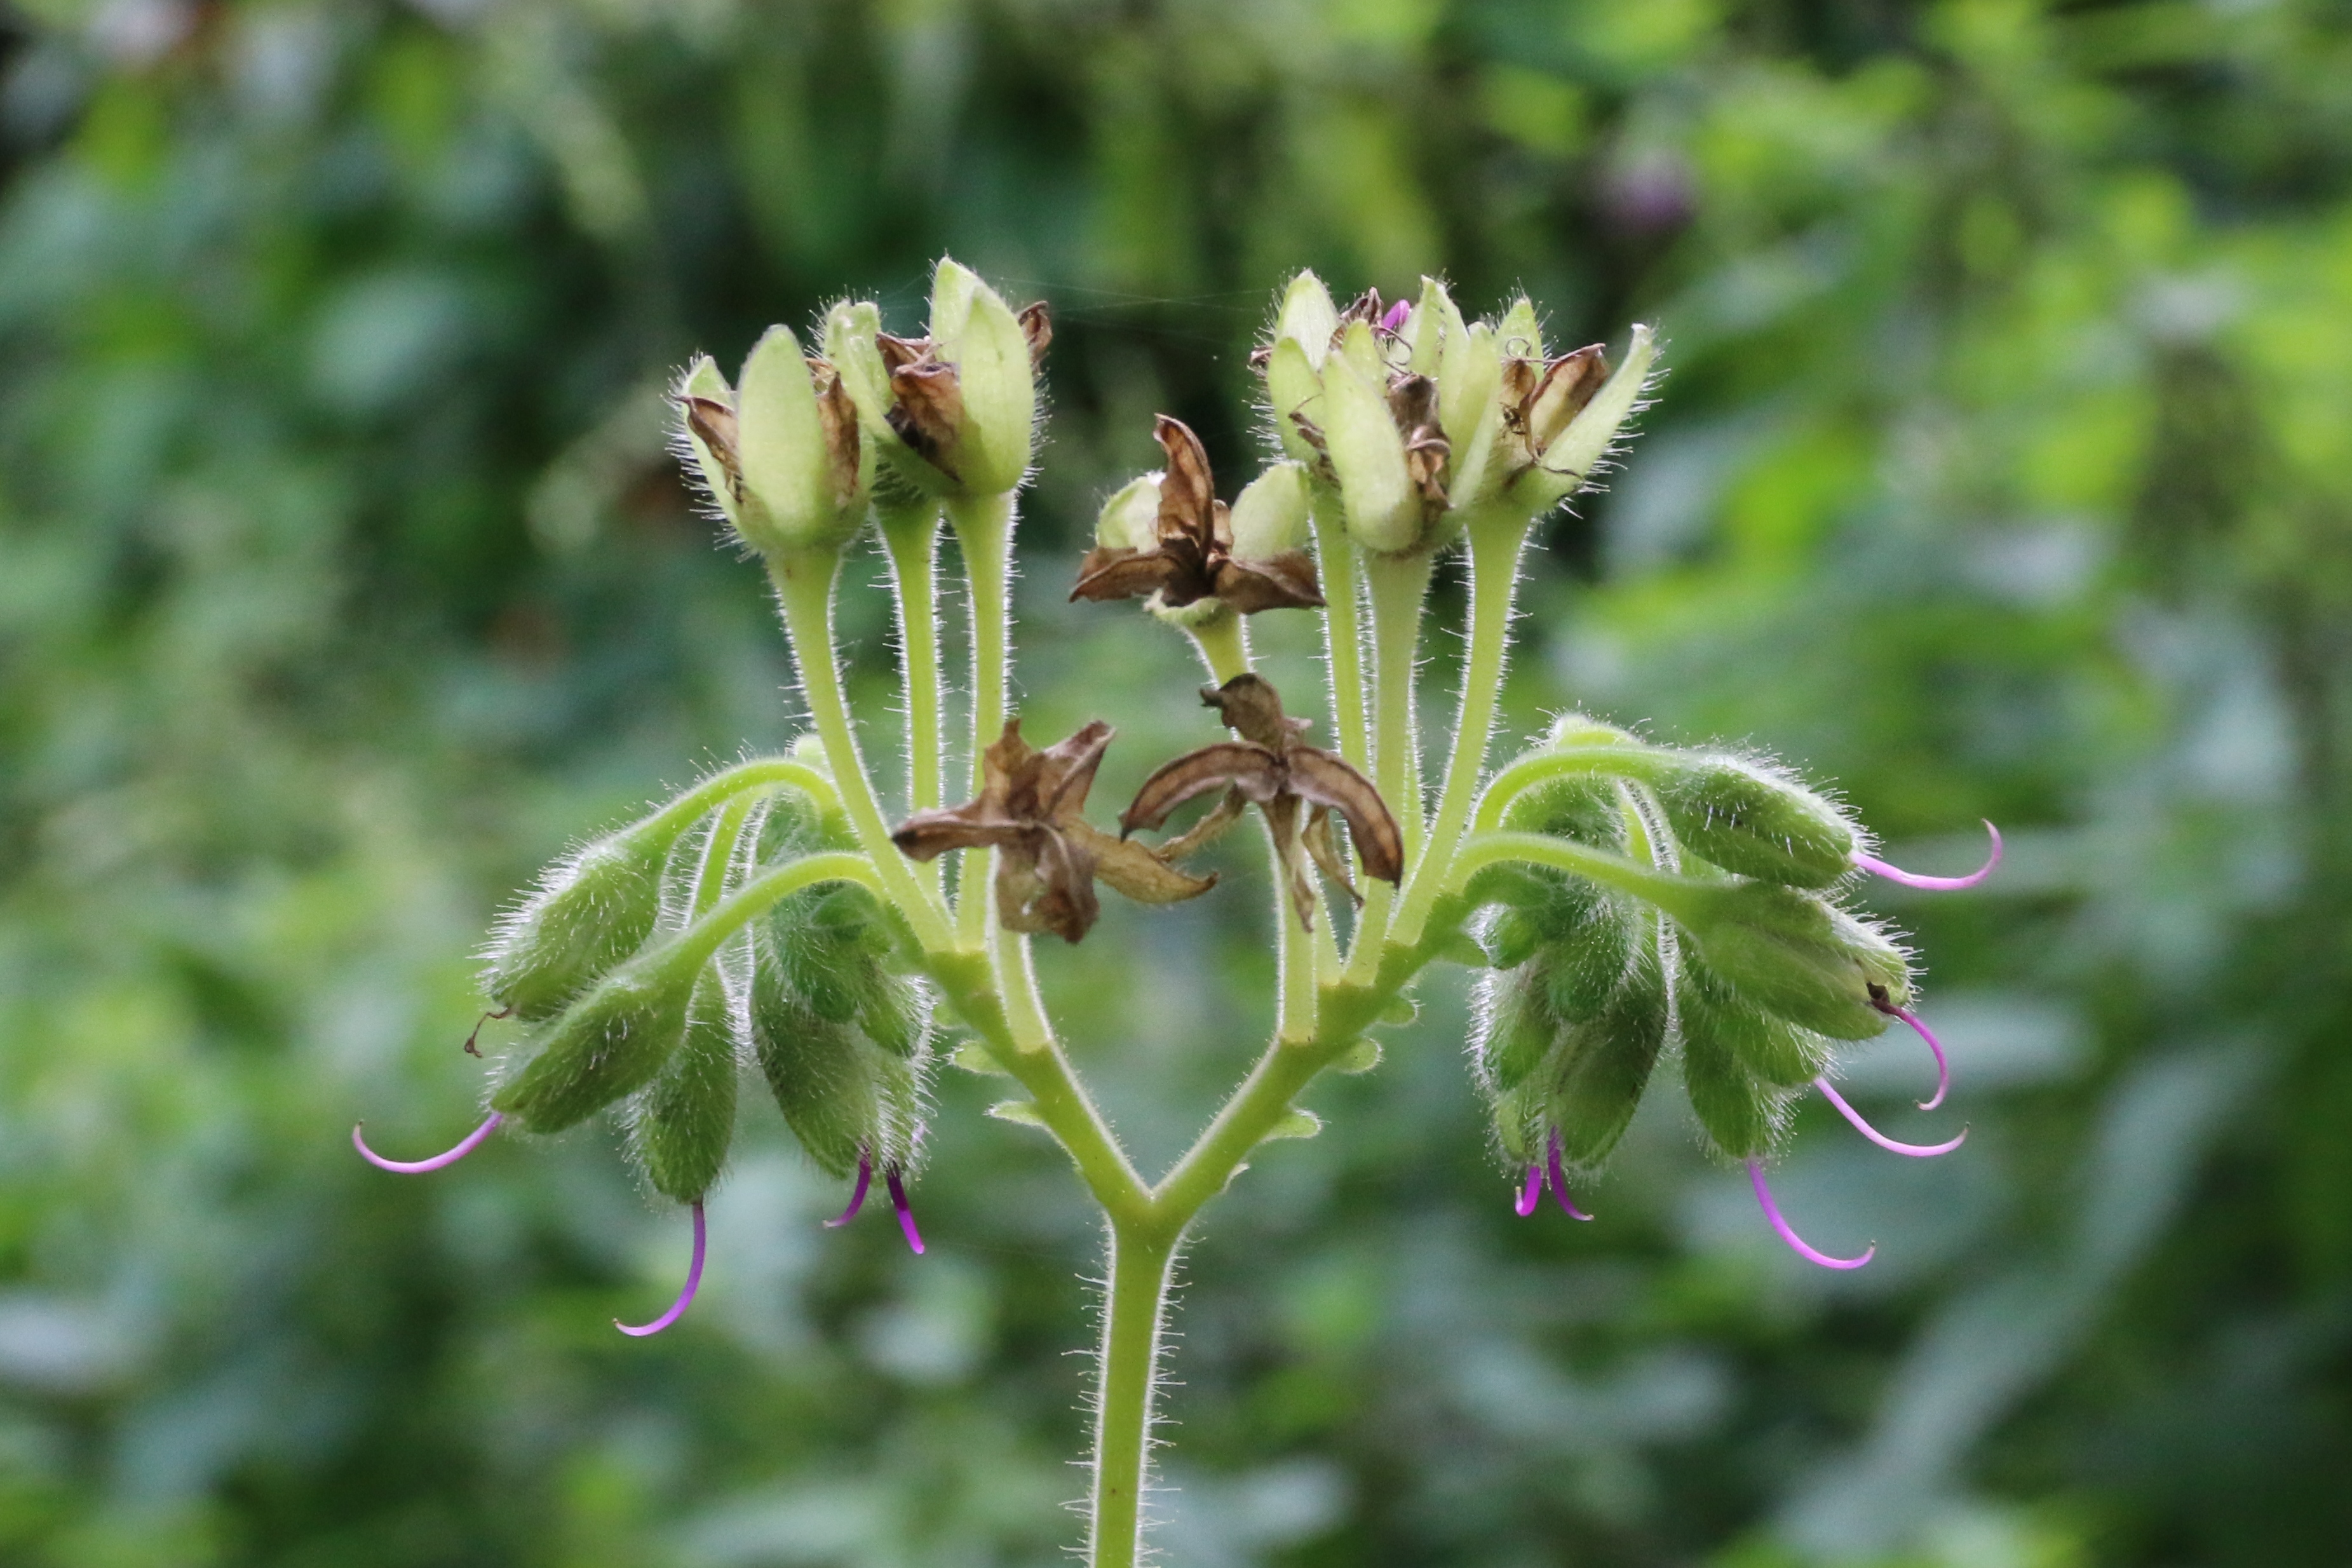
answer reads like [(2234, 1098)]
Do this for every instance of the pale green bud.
[(1130, 519), (1383, 509), (1294, 387), (784, 456), (973, 330), (1570, 457), (1307, 317), (1519, 334), (1435, 322), (1271, 514)]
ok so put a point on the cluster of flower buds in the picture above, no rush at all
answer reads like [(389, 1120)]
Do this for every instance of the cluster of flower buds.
[(792, 456), (1725, 939), (638, 1000), (1418, 419)]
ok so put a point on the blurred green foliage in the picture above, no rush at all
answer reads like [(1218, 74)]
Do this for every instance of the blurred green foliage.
[(2003, 470)]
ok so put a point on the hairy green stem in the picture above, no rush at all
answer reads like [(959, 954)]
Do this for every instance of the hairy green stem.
[(983, 528), (692, 947), (1343, 635), (760, 773), (1397, 584), (1631, 762), (1495, 540), (803, 586), (911, 536), (719, 856), (1224, 644), (1141, 1260), (1667, 892)]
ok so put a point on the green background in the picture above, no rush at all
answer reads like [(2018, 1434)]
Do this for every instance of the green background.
[(2004, 469)]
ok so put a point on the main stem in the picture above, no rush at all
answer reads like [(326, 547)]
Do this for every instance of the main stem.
[(1141, 1258)]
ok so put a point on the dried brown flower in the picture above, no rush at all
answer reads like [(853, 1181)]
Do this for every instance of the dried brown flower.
[(1031, 810), (1193, 556), (1270, 768)]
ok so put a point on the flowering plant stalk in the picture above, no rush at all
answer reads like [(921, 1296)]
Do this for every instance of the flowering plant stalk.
[(1624, 901)]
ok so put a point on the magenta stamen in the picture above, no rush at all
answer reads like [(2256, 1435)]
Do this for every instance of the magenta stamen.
[(685, 1297), (905, 1215), (1525, 1204), (1797, 1243), (1943, 1067), (1878, 868), (1916, 1151), (1560, 1182), (857, 1198), (473, 1141), (1397, 315)]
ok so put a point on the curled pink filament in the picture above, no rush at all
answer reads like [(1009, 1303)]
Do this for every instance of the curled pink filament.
[(471, 1142), (685, 1297), (1531, 1195), (1559, 1182), (856, 1198), (1916, 1151), (1797, 1243), (1397, 315), (905, 1215), (1943, 1067), (1878, 868)]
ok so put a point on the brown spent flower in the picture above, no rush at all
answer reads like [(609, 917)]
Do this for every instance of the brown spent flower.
[(927, 396), (1269, 768), (718, 426), (1540, 398), (1031, 810), (1193, 558)]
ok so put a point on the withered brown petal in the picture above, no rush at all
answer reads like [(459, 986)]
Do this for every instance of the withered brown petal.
[(1206, 831), (1134, 871), (1425, 456), (1037, 326), (1188, 491), (1567, 386), (1413, 402), (1051, 889), (1253, 769), (1065, 771), (1365, 307), (1325, 780), (1115, 571), (928, 410), (1252, 709), (899, 353), (927, 834), (1284, 582), (714, 424), (838, 417), (1282, 825), (1317, 837)]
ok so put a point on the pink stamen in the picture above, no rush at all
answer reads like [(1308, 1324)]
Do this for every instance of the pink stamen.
[(1943, 1066), (1397, 315), (1916, 1151), (1525, 1204), (905, 1215), (1797, 1243), (1560, 1182), (473, 1141), (857, 1198), (1878, 868), (685, 1297)]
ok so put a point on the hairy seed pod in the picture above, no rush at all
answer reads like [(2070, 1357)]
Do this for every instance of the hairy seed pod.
[(1797, 956), (591, 909), (1754, 821)]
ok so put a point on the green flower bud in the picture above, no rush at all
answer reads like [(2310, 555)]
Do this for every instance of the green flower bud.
[(847, 1094), (1435, 324), (1755, 821), (591, 909), (1307, 317), (1130, 519), (1384, 508), (1294, 390), (954, 411), (685, 1122), (1568, 459), (1270, 517), (1519, 334), (783, 455), (608, 1045), (1796, 956)]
